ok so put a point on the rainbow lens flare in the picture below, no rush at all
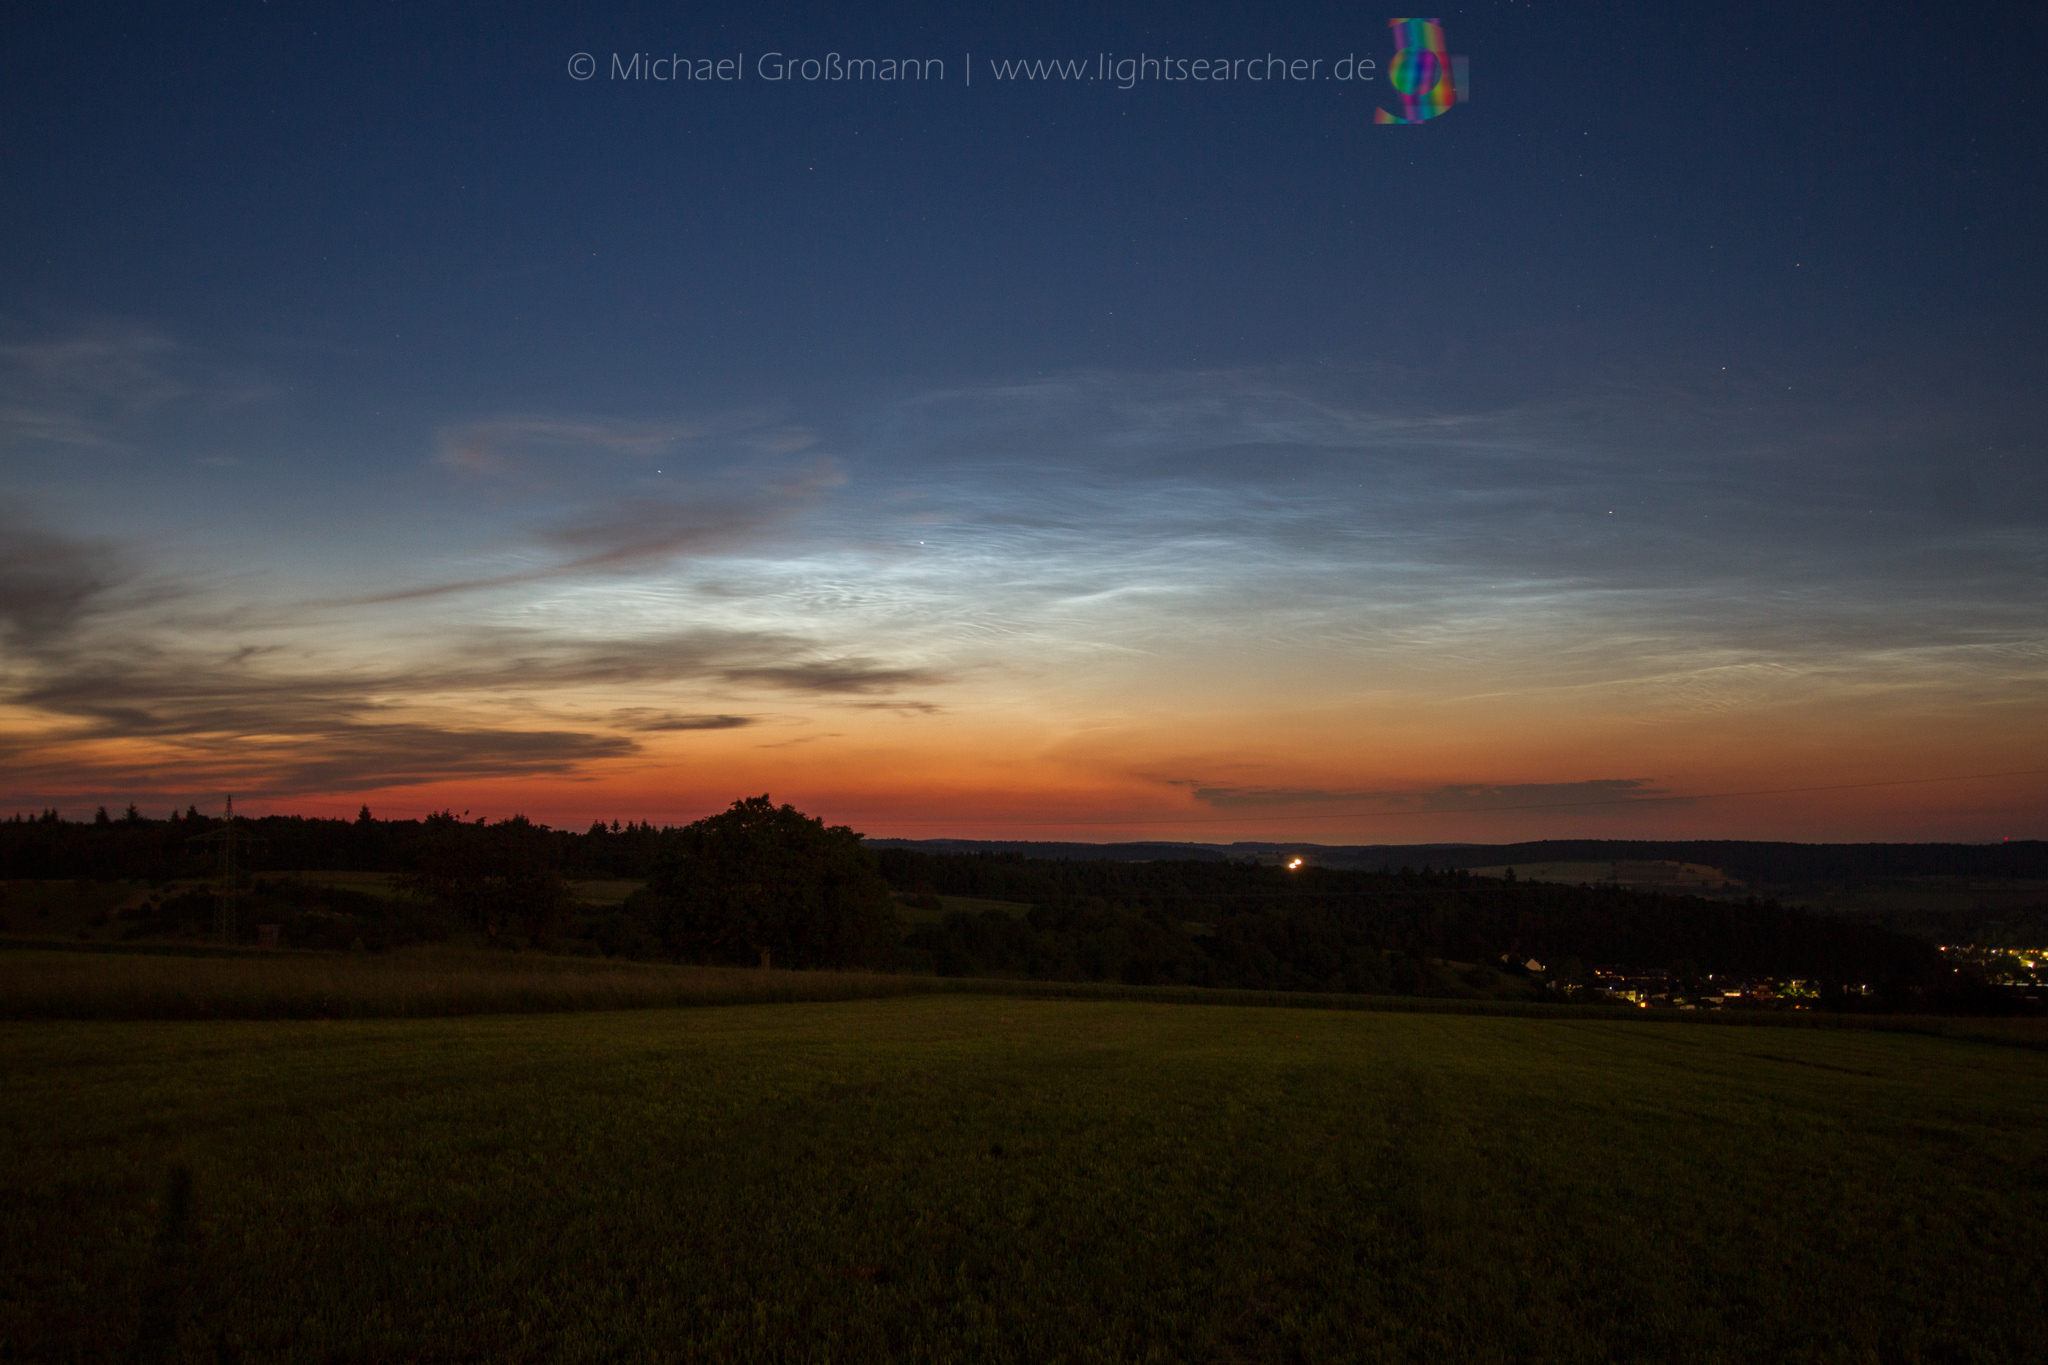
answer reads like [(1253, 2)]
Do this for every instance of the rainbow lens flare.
[(1420, 72)]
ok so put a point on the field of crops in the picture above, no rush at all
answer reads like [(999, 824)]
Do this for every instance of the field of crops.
[(986, 1177), (150, 981)]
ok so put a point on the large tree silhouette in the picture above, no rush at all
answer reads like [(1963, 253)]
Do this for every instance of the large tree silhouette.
[(501, 878), (770, 884)]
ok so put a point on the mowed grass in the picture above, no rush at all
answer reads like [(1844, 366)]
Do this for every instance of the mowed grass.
[(989, 1178), (433, 980)]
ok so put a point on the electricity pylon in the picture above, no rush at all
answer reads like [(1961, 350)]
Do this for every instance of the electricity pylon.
[(224, 903), (224, 898)]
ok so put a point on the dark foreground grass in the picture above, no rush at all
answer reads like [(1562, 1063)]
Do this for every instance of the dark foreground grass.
[(191, 981), (170, 983), (982, 1178)]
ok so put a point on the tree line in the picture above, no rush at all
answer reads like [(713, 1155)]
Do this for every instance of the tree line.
[(128, 845), (763, 884), (131, 847)]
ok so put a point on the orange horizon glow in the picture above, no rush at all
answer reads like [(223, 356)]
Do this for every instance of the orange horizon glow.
[(1946, 808), (1075, 651)]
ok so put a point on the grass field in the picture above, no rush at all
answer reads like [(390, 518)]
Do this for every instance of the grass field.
[(980, 1177), (171, 983), (201, 981)]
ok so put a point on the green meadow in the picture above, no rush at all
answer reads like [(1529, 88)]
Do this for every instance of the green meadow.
[(171, 981), (988, 1177)]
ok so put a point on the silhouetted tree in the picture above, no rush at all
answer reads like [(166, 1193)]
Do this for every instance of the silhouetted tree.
[(500, 878), (770, 884)]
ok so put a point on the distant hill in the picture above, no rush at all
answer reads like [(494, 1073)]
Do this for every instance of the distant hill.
[(1754, 863), (1070, 852)]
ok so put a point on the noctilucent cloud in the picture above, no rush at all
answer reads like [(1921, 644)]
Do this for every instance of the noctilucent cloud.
[(1084, 424)]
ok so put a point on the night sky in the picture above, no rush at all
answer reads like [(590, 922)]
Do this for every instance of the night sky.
[(1651, 445)]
